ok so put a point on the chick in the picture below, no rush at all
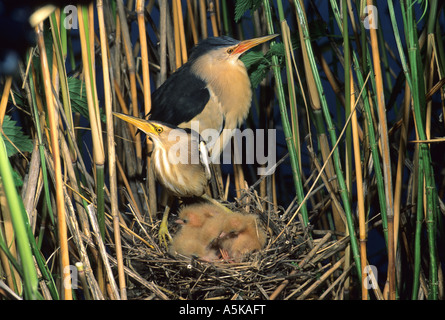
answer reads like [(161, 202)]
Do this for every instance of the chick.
[(201, 225), (194, 215), (185, 242), (241, 234)]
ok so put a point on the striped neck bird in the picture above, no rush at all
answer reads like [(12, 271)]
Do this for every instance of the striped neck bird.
[(179, 158), (211, 88)]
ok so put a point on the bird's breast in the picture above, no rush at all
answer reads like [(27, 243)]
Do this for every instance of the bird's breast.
[(181, 179), (231, 86)]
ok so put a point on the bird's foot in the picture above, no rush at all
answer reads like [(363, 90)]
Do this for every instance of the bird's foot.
[(164, 235)]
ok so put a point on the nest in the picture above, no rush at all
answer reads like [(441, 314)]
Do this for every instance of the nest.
[(294, 264)]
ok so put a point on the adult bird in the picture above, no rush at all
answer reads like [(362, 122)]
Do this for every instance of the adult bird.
[(211, 91), (179, 160)]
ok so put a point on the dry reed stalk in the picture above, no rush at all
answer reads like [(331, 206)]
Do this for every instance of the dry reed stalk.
[(131, 161), (146, 90), (170, 41), (162, 42), (91, 93), (203, 18), (360, 192), (132, 76), (237, 169), (128, 187), (301, 264), (83, 280), (386, 160), (71, 175), (191, 18), (102, 250), (213, 18), (401, 160), (144, 55), (341, 278), (177, 39), (87, 49), (157, 290), (72, 223), (328, 185), (218, 14), (111, 151), (181, 31), (78, 239), (323, 278), (315, 103), (4, 100), (60, 203)]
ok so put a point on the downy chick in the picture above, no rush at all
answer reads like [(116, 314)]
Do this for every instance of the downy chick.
[(201, 225), (241, 234)]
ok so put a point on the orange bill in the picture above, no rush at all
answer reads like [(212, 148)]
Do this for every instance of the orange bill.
[(245, 45)]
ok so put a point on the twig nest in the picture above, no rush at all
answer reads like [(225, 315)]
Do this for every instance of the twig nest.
[(209, 232)]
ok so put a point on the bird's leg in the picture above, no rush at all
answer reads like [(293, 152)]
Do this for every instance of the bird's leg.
[(213, 201), (163, 228)]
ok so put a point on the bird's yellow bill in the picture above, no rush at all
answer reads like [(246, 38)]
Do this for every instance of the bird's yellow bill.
[(141, 124), (245, 45)]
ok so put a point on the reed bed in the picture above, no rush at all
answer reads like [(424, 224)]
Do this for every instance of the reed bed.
[(353, 208)]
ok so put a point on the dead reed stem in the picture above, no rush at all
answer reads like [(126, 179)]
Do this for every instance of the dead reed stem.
[(386, 160), (53, 127), (111, 152)]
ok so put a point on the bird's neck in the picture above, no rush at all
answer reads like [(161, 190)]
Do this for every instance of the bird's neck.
[(230, 83)]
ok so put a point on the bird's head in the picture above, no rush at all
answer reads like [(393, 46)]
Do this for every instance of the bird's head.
[(225, 48), (158, 131)]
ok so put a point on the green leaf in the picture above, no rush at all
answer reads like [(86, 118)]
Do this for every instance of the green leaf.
[(78, 97), (251, 58), (18, 182), (258, 75), (258, 64), (242, 6), (14, 138)]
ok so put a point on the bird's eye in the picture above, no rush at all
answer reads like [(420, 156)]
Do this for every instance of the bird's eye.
[(230, 50), (159, 129)]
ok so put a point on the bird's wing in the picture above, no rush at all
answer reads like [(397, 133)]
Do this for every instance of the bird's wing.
[(180, 98)]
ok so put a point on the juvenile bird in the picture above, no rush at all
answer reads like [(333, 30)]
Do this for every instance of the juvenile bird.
[(200, 231), (241, 234), (180, 157), (186, 243)]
